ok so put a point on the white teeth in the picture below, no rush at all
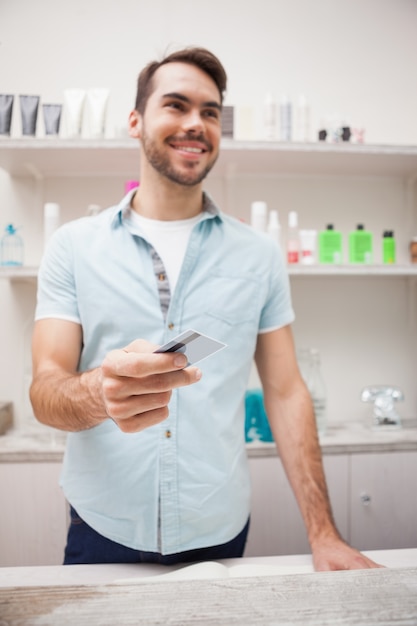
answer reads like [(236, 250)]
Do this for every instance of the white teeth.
[(188, 149)]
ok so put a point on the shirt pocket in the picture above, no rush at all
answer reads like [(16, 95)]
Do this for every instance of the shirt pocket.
[(233, 299)]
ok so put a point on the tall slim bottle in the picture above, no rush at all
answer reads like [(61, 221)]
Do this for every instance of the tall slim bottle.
[(51, 220), (293, 243)]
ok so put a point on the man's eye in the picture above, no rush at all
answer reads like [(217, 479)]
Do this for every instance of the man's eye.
[(212, 113), (175, 105)]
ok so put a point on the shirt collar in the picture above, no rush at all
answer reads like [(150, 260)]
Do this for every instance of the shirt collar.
[(123, 209)]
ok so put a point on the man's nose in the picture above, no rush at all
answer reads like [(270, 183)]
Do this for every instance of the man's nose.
[(193, 120)]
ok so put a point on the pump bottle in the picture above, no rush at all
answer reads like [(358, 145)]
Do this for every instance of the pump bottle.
[(274, 227), (293, 243), (11, 247)]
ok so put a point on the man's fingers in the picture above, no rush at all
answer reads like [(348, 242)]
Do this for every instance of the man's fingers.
[(136, 423), (133, 406), (137, 364)]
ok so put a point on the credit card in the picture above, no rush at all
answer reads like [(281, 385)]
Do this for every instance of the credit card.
[(194, 345)]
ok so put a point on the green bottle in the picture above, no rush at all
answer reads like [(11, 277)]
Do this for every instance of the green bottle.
[(360, 245), (388, 247), (330, 246)]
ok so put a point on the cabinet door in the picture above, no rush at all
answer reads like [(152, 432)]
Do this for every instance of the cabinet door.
[(384, 500), (33, 520), (276, 523)]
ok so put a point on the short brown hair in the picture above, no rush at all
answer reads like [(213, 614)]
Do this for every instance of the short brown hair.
[(200, 57)]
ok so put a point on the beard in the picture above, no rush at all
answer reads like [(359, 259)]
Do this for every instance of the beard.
[(161, 163)]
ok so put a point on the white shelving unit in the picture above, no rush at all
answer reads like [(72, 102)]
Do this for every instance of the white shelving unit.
[(348, 311), (43, 159)]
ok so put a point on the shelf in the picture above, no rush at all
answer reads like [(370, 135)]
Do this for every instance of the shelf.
[(19, 274), (43, 158), (30, 273), (353, 270)]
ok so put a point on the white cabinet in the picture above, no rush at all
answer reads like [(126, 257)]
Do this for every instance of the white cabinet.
[(383, 500), (34, 516), (276, 525), (373, 497)]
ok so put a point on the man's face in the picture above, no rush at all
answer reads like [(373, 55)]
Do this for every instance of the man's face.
[(180, 129)]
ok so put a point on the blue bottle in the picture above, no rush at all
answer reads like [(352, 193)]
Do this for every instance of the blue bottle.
[(11, 248), (256, 422)]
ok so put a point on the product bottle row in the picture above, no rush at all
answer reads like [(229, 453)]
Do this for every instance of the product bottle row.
[(328, 246)]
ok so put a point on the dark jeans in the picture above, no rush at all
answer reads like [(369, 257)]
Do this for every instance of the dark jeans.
[(85, 545)]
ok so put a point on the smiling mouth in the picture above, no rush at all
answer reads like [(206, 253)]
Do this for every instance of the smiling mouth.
[(189, 149), (192, 145)]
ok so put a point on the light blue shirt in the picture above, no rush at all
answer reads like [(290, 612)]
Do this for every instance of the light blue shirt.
[(184, 483)]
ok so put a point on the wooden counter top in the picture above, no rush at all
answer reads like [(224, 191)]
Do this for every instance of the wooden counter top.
[(116, 595), (368, 597)]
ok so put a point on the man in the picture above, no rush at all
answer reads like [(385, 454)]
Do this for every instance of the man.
[(155, 468)]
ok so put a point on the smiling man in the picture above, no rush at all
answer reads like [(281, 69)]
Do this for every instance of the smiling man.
[(155, 468)]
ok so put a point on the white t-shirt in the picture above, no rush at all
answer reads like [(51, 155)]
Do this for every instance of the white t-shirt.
[(169, 238)]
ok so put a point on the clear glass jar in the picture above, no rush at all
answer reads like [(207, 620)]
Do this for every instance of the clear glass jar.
[(11, 247), (310, 366)]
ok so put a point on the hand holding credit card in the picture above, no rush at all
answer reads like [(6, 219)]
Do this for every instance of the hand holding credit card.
[(194, 345)]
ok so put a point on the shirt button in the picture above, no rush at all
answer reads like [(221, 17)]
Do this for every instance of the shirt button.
[(161, 277), (171, 326), (167, 434)]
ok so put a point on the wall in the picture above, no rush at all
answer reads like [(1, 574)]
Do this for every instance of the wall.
[(351, 57), (354, 57)]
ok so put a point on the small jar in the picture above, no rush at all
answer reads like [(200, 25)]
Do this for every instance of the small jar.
[(413, 250)]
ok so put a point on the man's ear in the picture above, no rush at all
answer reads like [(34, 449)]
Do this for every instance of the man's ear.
[(135, 125)]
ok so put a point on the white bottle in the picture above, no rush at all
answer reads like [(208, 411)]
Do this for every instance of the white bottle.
[(285, 119), (293, 243), (93, 209), (274, 227), (302, 120), (270, 116), (307, 239), (258, 215), (51, 220)]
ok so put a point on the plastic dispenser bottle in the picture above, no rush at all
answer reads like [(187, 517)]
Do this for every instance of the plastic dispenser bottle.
[(258, 215), (330, 246), (388, 247), (285, 109), (51, 220), (11, 247), (270, 116), (360, 245), (274, 227), (293, 242), (302, 120)]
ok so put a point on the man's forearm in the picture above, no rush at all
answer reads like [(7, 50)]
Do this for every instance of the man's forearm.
[(70, 402), (298, 447)]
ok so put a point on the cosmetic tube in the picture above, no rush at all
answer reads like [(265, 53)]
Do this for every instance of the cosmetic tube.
[(52, 118), (97, 106), (74, 108), (6, 109), (307, 246), (29, 111)]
